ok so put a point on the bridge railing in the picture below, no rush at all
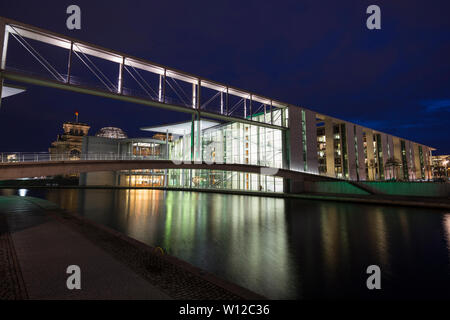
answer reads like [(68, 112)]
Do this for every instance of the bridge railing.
[(10, 157)]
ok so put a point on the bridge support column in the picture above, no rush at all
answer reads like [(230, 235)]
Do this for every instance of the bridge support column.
[(4, 34), (199, 145), (1, 89), (192, 137)]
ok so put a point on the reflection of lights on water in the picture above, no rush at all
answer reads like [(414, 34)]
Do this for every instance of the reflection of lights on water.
[(446, 224), (23, 192)]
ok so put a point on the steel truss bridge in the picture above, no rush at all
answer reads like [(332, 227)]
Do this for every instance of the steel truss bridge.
[(117, 74)]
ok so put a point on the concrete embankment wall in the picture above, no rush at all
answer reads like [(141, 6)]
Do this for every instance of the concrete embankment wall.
[(333, 187), (422, 189)]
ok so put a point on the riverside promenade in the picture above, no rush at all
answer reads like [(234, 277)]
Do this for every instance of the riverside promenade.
[(38, 242)]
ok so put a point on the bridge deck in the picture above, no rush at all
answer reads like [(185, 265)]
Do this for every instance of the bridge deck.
[(15, 170)]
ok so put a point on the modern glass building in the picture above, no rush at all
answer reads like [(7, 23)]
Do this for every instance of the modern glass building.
[(313, 143)]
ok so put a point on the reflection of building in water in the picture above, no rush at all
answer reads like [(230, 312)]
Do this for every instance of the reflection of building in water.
[(221, 232), (69, 143), (446, 225)]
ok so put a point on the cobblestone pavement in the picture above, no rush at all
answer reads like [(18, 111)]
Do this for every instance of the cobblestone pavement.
[(174, 277), (12, 286)]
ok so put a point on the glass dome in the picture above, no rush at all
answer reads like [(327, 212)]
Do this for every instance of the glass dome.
[(111, 132)]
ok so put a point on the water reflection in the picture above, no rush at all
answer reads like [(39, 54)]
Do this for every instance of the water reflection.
[(446, 223), (282, 248)]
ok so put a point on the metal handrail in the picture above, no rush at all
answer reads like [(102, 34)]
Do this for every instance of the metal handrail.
[(10, 157)]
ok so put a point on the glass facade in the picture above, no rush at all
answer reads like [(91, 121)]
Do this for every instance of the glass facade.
[(332, 150), (231, 143), (321, 150), (217, 179)]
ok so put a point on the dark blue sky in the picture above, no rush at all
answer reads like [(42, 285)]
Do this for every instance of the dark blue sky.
[(317, 54)]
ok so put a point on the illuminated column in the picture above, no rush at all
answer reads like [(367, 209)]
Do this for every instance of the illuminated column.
[(418, 171), (295, 139), (413, 159), (427, 158), (370, 155), (361, 158), (408, 159), (69, 63), (250, 107), (120, 84), (384, 147), (164, 86), (198, 144), (226, 103), (160, 88), (198, 104), (329, 136), (390, 155), (192, 137), (4, 34), (311, 141), (194, 96), (221, 102), (245, 108), (271, 113), (398, 174), (411, 162), (199, 101), (351, 150), (167, 144)]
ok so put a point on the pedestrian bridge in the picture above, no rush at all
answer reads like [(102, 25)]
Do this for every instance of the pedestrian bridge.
[(15, 166)]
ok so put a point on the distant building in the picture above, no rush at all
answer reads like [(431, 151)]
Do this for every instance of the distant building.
[(322, 146), (441, 166), (69, 143), (109, 144), (112, 133)]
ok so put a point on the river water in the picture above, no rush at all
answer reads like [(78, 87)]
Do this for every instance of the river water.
[(281, 248)]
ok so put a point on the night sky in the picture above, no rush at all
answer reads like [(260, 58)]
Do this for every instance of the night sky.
[(317, 54)]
